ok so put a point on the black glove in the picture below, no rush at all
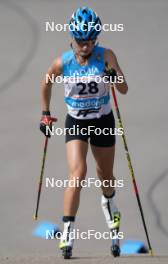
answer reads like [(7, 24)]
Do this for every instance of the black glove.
[(45, 121), (111, 74)]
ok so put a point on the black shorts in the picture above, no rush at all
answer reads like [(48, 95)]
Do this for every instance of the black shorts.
[(79, 129)]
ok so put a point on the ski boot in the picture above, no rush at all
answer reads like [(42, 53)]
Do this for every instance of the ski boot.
[(66, 243), (115, 247), (112, 216)]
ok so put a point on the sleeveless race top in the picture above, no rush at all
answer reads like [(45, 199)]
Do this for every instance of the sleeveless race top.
[(86, 95)]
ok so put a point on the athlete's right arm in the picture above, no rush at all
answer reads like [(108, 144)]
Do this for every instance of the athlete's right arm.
[(56, 70)]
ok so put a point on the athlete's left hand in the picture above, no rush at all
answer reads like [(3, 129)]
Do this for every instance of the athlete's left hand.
[(111, 74)]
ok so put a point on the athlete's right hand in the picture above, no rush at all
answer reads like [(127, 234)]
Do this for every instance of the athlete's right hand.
[(46, 121)]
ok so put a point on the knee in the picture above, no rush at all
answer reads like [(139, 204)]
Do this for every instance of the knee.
[(78, 172), (76, 177)]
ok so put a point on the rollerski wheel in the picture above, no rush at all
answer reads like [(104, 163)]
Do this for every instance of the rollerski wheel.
[(115, 248), (67, 252)]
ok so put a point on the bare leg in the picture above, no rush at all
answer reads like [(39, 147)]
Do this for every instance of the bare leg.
[(76, 156), (104, 157)]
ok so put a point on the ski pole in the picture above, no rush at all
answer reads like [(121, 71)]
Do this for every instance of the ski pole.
[(131, 169), (41, 178)]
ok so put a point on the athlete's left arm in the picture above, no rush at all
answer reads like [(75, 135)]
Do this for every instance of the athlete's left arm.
[(111, 60)]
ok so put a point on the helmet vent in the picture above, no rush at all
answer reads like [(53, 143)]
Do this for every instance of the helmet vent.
[(90, 17), (84, 11), (80, 18)]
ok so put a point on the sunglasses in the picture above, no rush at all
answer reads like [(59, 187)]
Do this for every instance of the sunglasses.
[(85, 42)]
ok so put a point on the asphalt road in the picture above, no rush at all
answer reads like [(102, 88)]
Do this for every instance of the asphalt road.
[(26, 51), (84, 260)]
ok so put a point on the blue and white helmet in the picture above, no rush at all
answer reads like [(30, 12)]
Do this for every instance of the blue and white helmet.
[(85, 24)]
